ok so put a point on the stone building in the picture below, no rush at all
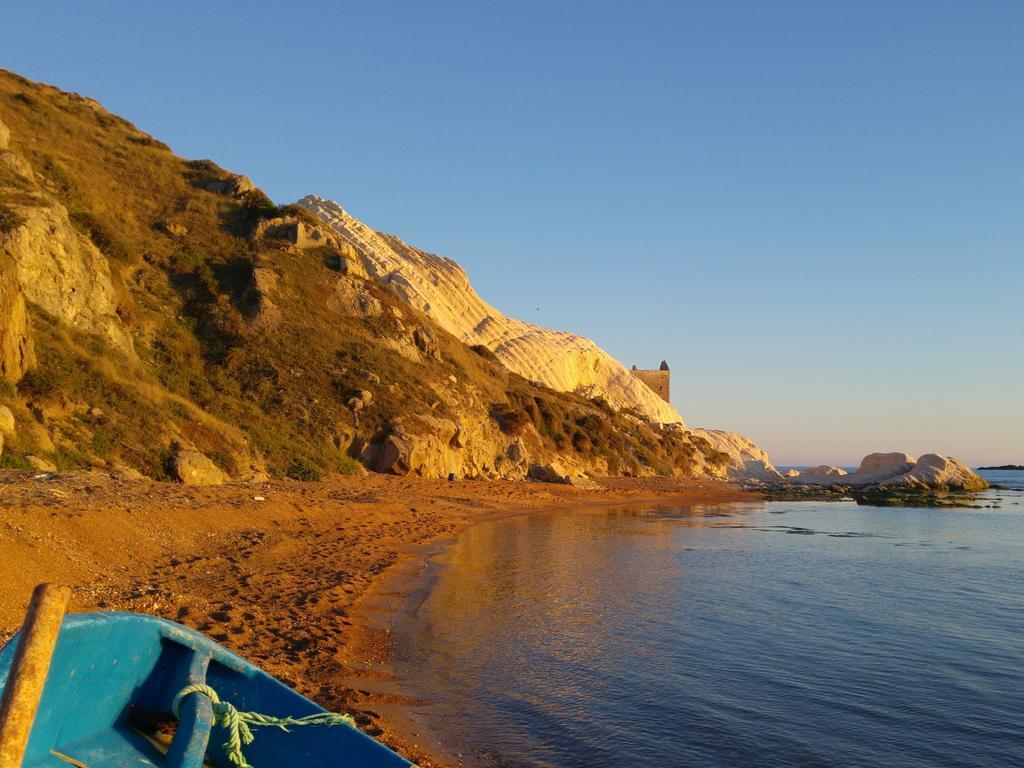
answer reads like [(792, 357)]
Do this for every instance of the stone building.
[(657, 380)]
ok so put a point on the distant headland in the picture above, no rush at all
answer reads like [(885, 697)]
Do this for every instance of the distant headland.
[(1017, 467)]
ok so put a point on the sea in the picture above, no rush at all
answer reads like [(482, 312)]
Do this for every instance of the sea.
[(743, 635)]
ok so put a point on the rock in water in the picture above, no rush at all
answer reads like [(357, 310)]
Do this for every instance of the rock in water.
[(896, 471), (940, 473), (876, 467), (823, 470)]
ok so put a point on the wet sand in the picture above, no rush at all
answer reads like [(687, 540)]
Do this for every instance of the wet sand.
[(299, 578)]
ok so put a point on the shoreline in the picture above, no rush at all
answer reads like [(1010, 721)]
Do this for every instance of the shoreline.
[(304, 580)]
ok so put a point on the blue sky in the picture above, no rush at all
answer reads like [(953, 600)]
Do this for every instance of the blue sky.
[(814, 211)]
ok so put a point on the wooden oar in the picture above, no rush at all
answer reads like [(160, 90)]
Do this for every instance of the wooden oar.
[(28, 673)]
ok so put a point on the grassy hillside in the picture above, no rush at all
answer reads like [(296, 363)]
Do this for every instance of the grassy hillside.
[(213, 367)]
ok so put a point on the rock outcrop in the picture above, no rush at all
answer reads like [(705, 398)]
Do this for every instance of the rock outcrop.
[(17, 353), (428, 446), (746, 460), (295, 232), (440, 288), (61, 270), (236, 185)]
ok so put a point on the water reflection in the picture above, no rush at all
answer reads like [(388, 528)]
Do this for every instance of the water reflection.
[(768, 634)]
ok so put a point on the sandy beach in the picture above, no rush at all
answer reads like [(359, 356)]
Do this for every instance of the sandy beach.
[(298, 578)]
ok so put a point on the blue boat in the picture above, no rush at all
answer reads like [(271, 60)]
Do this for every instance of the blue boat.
[(107, 703)]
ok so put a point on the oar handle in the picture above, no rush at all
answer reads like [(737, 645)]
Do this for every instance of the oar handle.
[(28, 672)]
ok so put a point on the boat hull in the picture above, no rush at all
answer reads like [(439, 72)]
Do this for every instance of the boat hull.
[(108, 696)]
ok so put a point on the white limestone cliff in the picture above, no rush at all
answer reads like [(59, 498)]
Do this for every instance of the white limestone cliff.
[(565, 362), (439, 288)]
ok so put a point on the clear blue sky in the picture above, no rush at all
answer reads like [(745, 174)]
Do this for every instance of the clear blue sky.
[(813, 210)]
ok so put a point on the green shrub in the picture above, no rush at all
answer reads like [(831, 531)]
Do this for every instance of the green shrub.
[(301, 469), (510, 420), (258, 206), (9, 220), (103, 236), (40, 382), (11, 460), (68, 458)]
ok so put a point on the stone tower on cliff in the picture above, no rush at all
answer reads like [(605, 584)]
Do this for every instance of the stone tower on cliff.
[(657, 380)]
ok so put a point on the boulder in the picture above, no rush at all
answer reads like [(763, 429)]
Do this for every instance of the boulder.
[(426, 343), (395, 455), (792, 473), (898, 471), (823, 470), (877, 467), (193, 468), (823, 474), (939, 473), (6, 421), (40, 464), (581, 481), (124, 472), (553, 472)]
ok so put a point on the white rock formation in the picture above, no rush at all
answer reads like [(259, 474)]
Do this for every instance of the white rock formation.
[(939, 473), (823, 470), (440, 288), (892, 471), (874, 468), (746, 460)]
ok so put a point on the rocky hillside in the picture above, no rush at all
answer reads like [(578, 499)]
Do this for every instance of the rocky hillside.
[(439, 288), (162, 316)]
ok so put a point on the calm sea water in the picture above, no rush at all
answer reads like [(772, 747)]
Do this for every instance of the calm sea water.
[(772, 634)]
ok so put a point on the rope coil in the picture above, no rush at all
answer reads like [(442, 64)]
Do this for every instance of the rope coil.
[(239, 725)]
